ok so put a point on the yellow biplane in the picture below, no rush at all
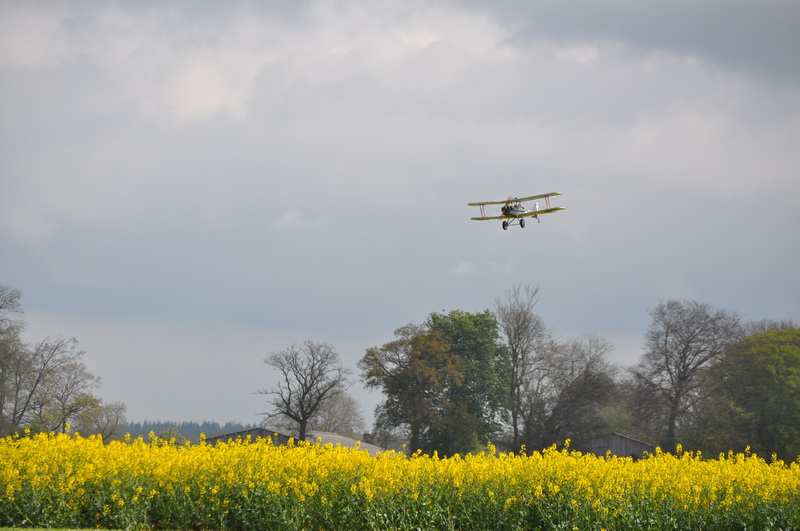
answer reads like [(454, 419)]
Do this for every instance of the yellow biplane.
[(513, 212)]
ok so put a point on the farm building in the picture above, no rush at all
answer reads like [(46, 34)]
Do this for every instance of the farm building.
[(334, 438), (278, 436), (616, 444)]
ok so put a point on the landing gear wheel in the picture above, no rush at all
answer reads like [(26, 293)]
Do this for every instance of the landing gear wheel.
[(505, 225), (522, 223)]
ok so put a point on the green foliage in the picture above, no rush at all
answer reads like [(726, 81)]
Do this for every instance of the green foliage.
[(445, 381), (173, 436), (757, 402), (415, 372), (474, 406)]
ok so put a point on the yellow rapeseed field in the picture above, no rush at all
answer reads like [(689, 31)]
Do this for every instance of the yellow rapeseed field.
[(50, 480)]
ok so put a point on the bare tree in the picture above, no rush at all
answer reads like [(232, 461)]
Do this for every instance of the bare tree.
[(527, 339), (25, 374), (9, 307), (106, 420), (43, 386), (684, 339), (67, 392), (565, 402), (765, 325), (339, 414), (310, 374)]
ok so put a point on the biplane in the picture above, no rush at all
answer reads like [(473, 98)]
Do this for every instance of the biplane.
[(513, 212)]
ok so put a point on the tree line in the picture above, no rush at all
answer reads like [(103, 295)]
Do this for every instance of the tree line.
[(45, 386), (185, 430), (706, 380)]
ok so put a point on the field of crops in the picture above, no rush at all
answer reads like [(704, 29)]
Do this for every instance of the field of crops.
[(69, 481)]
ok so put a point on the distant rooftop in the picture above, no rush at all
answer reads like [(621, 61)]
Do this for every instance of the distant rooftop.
[(322, 437)]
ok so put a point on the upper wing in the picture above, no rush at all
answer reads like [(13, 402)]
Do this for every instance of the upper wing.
[(515, 199), (541, 196), (491, 202), (543, 211)]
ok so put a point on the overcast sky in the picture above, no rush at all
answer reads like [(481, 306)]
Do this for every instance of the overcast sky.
[(187, 187)]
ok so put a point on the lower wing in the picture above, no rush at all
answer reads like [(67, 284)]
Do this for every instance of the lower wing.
[(543, 211), (491, 217), (531, 213)]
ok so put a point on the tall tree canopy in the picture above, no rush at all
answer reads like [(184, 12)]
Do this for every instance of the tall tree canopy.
[(416, 373), (684, 339), (476, 403), (528, 343), (758, 396)]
